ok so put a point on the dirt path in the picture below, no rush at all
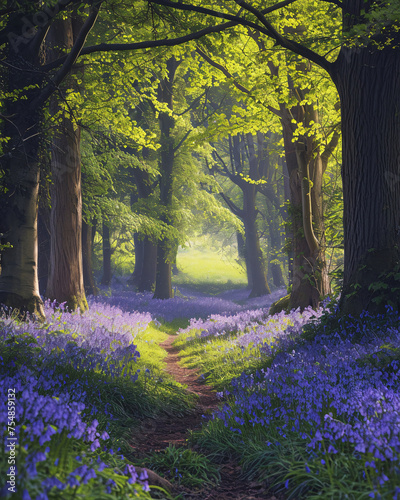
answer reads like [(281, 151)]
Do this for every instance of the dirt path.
[(157, 434)]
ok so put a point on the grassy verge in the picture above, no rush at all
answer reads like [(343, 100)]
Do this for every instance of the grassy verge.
[(220, 358), (208, 272)]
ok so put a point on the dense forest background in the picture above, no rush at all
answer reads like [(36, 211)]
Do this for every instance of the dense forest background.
[(138, 126)]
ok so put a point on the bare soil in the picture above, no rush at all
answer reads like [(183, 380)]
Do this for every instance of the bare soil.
[(157, 434)]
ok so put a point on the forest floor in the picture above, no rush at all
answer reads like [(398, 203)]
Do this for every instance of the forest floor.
[(157, 435)]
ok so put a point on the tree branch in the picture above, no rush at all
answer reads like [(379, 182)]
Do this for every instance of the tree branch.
[(182, 140), (285, 42), (238, 85), (166, 42), (221, 68), (265, 27), (277, 6), (232, 207), (71, 57), (193, 104)]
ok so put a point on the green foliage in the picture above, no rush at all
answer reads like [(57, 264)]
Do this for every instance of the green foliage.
[(184, 466), (387, 288)]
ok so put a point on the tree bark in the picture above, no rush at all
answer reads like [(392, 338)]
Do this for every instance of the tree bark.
[(139, 257), (65, 282), (367, 82), (253, 250), (305, 167), (107, 272), (87, 262), (43, 248), (19, 284), (149, 266), (163, 288)]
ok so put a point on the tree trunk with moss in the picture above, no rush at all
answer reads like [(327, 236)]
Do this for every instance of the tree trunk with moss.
[(306, 166)]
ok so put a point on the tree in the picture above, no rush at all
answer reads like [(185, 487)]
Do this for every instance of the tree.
[(22, 121), (298, 115), (65, 281), (242, 150), (167, 153), (144, 274), (365, 72)]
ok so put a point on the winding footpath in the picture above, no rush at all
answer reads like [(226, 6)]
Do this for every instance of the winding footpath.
[(158, 434)]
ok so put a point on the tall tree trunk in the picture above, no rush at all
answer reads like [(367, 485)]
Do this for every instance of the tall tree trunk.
[(367, 81), (107, 272), (163, 288), (87, 253), (149, 266), (253, 250), (19, 285), (43, 248), (274, 265), (242, 254), (139, 257), (65, 282), (305, 167)]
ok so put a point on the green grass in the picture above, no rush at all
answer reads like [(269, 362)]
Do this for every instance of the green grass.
[(218, 359), (171, 327), (183, 466), (208, 271)]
